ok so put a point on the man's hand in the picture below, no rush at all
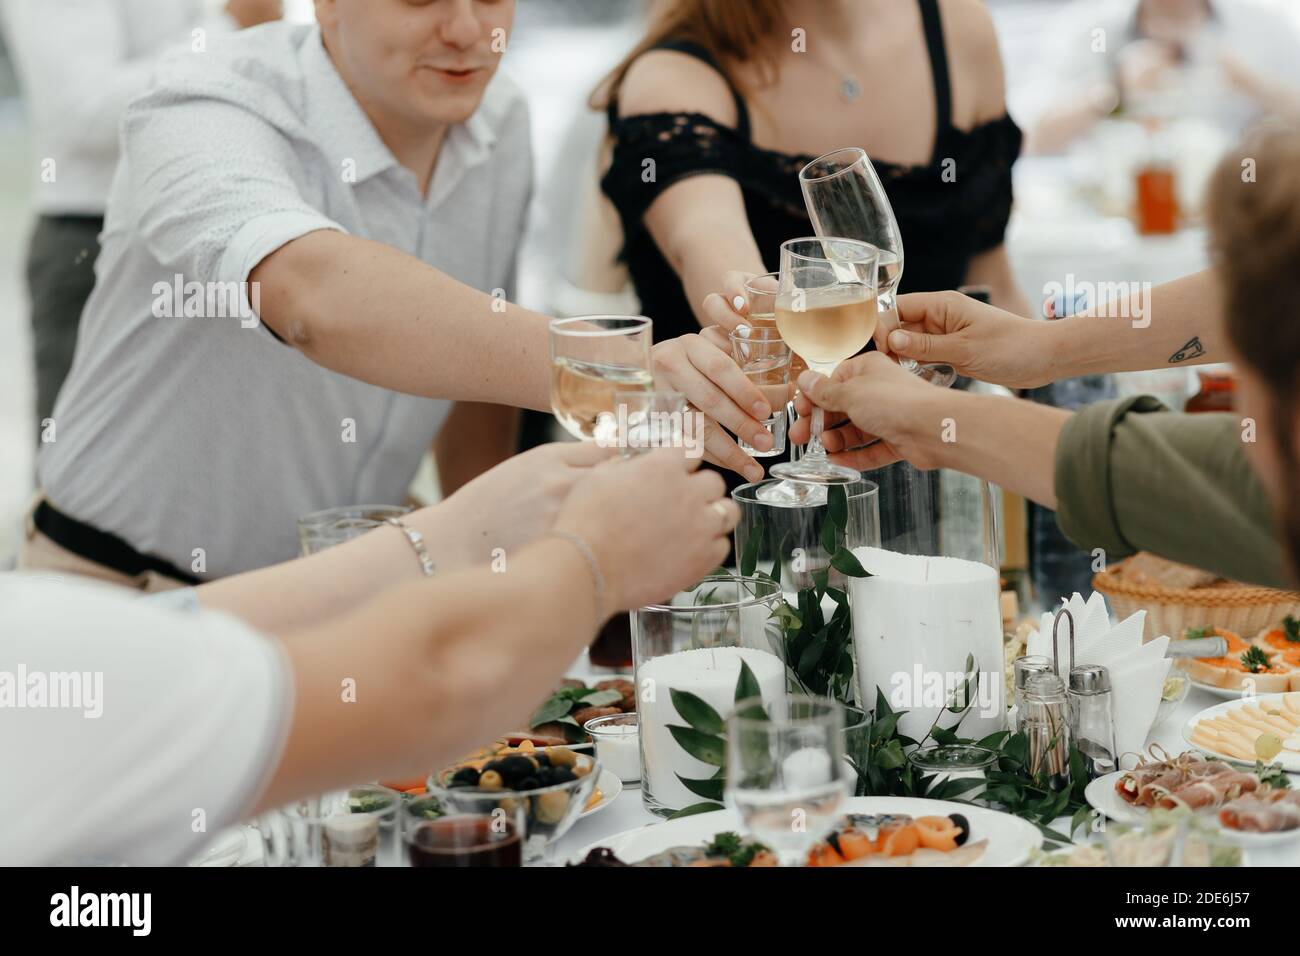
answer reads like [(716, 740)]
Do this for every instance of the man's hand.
[(252, 13), (978, 340)]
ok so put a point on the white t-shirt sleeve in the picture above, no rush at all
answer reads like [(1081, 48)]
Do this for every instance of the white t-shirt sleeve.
[(130, 732)]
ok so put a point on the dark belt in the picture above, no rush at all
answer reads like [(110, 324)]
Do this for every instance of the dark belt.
[(101, 547)]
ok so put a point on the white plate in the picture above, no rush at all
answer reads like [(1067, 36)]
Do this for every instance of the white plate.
[(1223, 693), (1101, 795), (610, 787), (1288, 759), (1011, 839)]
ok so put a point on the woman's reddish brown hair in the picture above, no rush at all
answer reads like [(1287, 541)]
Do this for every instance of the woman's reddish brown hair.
[(731, 31)]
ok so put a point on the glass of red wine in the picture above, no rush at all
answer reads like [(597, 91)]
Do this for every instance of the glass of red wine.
[(462, 840)]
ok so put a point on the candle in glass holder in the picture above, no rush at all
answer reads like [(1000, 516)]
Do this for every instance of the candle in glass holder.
[(710, 674), (915, 621)]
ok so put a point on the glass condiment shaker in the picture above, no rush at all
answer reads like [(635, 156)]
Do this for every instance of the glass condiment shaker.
[(1092, 718), (1045, 721), (1022, 669)]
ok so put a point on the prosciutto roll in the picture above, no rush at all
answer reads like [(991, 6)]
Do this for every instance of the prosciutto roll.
[(1273, 813)]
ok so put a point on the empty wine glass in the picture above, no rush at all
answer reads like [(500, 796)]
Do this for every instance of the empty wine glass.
[(845, 198), (594, 360), (786, 773)]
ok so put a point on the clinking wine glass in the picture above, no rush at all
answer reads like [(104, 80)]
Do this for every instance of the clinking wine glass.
[(845, 198), (595, 359), (826, 312), (786, 773)]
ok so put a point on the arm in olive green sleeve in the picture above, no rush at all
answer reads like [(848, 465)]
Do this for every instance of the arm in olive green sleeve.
[(1132, 476)]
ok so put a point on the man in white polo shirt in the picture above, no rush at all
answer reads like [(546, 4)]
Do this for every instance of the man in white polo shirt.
[(267, 336)]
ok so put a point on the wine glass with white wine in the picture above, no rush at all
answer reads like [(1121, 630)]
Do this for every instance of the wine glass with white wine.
[(595, 360), (845, 198), (826, 312)]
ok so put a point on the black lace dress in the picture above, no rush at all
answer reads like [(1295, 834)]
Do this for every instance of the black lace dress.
[(948, 211)]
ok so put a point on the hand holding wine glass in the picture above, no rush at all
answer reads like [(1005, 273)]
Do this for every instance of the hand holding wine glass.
[(826, 312), (881, 412)]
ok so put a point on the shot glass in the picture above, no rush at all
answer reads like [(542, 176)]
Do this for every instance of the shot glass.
[(764, 357)]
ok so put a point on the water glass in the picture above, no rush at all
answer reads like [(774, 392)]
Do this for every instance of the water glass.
[(765, 359), (321, 530), (787, 776)]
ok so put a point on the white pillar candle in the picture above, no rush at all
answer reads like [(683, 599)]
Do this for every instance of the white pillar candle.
[(710, 674), (806, 769), (914, 623)]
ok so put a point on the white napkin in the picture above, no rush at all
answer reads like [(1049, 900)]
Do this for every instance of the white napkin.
[(1135, 696), (1137, 671)]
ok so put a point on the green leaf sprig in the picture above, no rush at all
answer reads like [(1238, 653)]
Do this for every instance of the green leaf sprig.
[(818, 651)]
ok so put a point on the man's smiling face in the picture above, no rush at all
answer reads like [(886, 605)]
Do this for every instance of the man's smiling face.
[(420, 61)]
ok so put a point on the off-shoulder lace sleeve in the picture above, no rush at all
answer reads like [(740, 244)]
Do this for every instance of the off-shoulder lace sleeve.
[(655, 150), (992, 157)]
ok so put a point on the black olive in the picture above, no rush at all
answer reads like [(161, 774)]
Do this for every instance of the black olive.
[(545, 777), (465, 777), (962, 824), (542, 759), (564, 775), (528, 783), (514, 769)]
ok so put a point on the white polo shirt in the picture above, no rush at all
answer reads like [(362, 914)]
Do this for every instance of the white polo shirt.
[(200, 438), (130, 732)]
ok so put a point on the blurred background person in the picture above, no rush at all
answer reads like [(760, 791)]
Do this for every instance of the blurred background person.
[(1229, 62), (79, 62)]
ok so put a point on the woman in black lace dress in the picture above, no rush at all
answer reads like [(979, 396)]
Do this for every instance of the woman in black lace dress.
[(715, 112)]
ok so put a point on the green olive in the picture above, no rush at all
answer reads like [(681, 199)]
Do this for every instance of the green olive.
[(550, 807), (562, 757), (491, 780), (581, 769)]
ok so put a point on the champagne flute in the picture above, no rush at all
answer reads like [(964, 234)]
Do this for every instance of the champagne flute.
[(786, 773), (595, 359), (826, 312), (845, 198)]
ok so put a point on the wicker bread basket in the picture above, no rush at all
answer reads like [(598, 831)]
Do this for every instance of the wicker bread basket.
[(1244, 609)]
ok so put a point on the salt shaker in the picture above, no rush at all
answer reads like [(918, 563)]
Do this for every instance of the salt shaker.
[(1092, 718), (1045, 722)]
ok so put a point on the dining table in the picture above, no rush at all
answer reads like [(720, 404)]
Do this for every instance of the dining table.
[(627, 812)]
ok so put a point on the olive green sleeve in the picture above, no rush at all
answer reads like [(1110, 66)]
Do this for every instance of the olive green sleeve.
[(1134, 476)]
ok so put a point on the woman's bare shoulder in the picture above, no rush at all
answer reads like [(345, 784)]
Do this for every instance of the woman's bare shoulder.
[(666, 81), (975, 58)]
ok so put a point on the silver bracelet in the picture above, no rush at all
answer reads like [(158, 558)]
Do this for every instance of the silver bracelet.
[(590, 558), (417, 542)]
